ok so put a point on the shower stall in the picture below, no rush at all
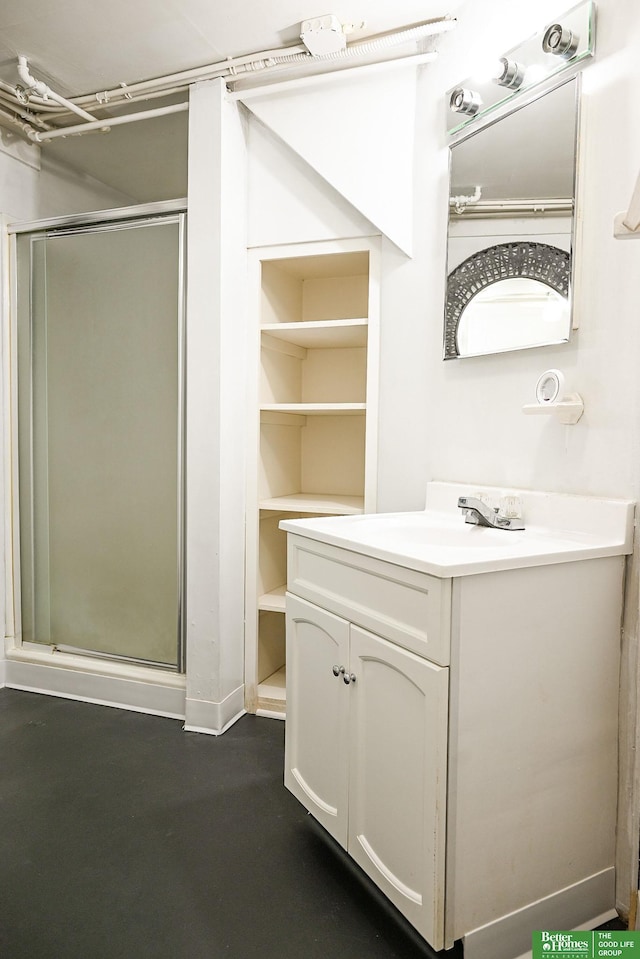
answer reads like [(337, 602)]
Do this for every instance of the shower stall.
[(100, 329)]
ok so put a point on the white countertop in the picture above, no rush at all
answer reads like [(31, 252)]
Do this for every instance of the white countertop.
[(439, 542)]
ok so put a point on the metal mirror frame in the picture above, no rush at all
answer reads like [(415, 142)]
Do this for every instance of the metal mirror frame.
[(532, 96), (520, 259)]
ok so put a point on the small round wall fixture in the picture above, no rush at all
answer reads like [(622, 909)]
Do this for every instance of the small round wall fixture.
[(547, 264), (465, 101), (550, 387), (560, 41)]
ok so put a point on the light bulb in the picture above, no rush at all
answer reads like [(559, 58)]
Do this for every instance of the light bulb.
[(465, 101)]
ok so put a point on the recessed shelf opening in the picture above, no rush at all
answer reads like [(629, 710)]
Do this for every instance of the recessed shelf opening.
[(316, 457), (315, 351), (294, 374), (308, 288)]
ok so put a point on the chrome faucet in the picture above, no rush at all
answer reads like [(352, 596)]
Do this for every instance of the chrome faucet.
[(479, 514)]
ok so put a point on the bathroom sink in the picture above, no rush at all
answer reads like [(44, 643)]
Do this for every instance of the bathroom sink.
[(429, 530), (559, 528)]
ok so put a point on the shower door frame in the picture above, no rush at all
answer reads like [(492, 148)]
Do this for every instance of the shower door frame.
[(88, 223)]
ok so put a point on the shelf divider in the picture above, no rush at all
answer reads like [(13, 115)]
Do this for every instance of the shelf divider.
[(324, 503), (320, 334), (316, 409), (274, 600)]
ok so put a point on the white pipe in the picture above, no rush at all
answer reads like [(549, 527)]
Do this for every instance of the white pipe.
[(140, 98), (186, 77), (29, 120), (361, 69), (537, 206), (16, 122), (463, 200), (107, 124), (266, 59), (409, 35), (230, 68), (44, 91)]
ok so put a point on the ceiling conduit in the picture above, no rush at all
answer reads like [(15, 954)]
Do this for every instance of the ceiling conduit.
[(31, 107)]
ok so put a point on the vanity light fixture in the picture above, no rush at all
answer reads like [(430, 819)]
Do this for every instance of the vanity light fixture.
[(559, 48), (510, 73), (560, 41), (465, 101)]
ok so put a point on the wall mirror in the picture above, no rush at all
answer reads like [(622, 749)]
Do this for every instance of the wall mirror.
[(511, 229)]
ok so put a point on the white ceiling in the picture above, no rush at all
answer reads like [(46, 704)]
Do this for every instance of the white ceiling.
[(84, 46)]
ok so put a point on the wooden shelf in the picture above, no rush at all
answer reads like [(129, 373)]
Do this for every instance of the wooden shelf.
[(272, 694), (316, 409), (321, 334), (274, 601), (323, 503)]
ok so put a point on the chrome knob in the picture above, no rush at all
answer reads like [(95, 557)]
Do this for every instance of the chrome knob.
[(349, 678), (338, 670)]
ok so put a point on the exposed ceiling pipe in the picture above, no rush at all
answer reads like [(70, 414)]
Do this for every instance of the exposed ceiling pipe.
[(265, 89), (105, 125), (176, 81), (382, 42), (556, 206), (17, 122), (44, 91), (235, 67), (40, 96)]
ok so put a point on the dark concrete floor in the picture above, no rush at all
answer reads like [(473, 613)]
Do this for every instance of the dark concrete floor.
[(122, 837)]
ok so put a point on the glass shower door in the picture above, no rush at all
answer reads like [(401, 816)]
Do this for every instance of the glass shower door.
[(100, 412)]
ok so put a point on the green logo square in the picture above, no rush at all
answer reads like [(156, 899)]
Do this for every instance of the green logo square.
[(601, 944), (569, 945)]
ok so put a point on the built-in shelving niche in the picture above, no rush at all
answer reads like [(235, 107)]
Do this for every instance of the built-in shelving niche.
[(314, 433)]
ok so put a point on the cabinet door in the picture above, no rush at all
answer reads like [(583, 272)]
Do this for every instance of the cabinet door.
[(316, 747), (398, 773)]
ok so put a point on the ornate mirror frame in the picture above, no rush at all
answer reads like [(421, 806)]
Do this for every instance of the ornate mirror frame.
[(521, 259)]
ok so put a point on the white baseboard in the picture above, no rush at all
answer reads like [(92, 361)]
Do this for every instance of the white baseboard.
[(3, 673), (271, 714), (202, 716), (124, 686), (584, 905)]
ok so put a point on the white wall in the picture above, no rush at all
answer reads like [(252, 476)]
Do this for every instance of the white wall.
[(288, 202), (34, 186), (215, 410), (479, 433)]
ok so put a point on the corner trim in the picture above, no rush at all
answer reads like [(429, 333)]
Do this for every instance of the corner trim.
[(203, 716)]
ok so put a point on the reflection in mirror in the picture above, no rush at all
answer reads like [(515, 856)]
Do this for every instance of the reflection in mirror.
[(510, 312), (512, 198)]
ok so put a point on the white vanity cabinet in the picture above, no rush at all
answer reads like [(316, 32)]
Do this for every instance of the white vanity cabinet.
[(366, 751), (470, 763)]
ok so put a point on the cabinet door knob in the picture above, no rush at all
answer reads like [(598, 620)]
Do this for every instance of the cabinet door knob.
[(338, 670), (349, 678)]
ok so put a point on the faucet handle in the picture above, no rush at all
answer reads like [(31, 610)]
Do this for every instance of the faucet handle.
[(510, 506)]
